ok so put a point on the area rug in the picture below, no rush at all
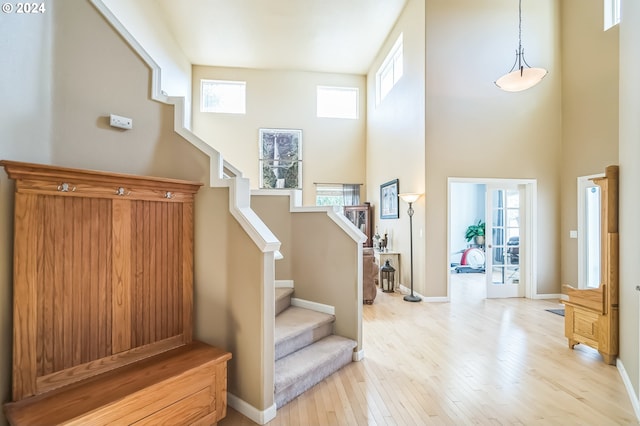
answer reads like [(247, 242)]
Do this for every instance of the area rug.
[(556, 311)]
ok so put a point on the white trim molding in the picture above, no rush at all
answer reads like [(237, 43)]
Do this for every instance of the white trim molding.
[(283, 283), (313, 306), (635, 403), (259, 416)]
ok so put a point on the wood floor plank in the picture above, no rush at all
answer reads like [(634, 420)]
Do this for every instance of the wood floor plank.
[(470, 361)]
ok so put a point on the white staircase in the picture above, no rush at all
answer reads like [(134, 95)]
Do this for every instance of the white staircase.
[(306, 350)]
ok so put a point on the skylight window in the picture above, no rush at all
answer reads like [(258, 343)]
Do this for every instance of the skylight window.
[(611, 13), (390, 71), (223, 96), (337, 102)]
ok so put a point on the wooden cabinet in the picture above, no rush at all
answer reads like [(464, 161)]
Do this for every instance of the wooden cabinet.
[(360, 216)]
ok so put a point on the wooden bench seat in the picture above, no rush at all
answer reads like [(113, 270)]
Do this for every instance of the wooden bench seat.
[(179, 386), (103, 302)]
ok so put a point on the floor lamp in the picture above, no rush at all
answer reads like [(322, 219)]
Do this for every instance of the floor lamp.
[(411, 198)]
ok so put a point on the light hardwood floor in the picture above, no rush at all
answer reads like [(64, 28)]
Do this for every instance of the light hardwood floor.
[(471, 361)]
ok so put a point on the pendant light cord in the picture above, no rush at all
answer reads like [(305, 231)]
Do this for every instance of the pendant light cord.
[(520, 53)]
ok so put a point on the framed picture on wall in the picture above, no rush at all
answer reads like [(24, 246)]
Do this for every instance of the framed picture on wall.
[(280, 158), (389, 199)]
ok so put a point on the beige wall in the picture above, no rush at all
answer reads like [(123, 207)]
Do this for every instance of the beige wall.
[(589, 112), (89, 84), (333, 150), (473, 129), (319, 257), (25, 85), (629, 196), (327, 272), (144, 20), (395, 143), (467, 127), (274, 211)]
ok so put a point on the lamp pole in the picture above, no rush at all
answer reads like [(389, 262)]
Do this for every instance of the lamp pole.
[(411, 198)]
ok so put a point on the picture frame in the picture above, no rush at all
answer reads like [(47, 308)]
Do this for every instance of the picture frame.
[(280, 158), (389, 199)]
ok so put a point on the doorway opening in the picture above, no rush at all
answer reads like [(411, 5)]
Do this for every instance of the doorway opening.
[(502, 264)]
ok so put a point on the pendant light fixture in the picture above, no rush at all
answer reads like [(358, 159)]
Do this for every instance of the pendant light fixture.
[(524, 77)]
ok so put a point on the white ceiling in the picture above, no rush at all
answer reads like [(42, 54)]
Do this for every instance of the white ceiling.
[(341, 36)]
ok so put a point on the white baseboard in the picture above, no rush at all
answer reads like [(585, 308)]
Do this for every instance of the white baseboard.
[(406, 290), (630, 391), (318, 307), (358, 355), (248, 410), (547, 296), (283, 283)]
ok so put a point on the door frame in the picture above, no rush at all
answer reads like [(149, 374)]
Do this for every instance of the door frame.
[(530, 228)]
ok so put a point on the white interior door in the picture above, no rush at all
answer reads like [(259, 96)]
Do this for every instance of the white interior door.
[(504, 225)]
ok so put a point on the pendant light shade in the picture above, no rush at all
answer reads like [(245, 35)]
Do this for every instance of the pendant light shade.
[(521, 76)]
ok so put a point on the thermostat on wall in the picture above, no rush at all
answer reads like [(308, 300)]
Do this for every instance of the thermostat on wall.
[(121, 122)]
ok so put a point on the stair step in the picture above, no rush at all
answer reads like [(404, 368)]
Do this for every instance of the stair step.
[(301, 370), (297, 327), (283, 298)]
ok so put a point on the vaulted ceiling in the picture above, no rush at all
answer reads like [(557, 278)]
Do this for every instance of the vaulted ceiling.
[(341, 36)]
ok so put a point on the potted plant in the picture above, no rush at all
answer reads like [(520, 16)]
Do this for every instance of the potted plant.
[(475, 232)]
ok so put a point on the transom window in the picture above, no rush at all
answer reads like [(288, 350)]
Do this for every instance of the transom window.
[(390, 71), (223, 96), (337, 102)]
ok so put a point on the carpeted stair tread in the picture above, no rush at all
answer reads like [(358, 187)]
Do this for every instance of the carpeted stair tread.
[(283, 298), (299, 371), (297, 327)]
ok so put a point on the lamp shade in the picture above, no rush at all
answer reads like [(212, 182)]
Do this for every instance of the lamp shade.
[(409, 197), (521, 79)]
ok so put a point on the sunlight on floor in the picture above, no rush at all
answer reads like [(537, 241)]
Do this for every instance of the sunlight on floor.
[(468, 287)]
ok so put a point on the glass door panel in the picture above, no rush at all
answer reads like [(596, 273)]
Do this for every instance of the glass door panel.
[(503, 250)]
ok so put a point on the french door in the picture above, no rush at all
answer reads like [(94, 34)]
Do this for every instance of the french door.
[(504, 226)]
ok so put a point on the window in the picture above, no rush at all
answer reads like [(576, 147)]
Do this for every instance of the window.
[(390, 71), (611, 13), (223, 96), (337, 195), (337, 102)]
